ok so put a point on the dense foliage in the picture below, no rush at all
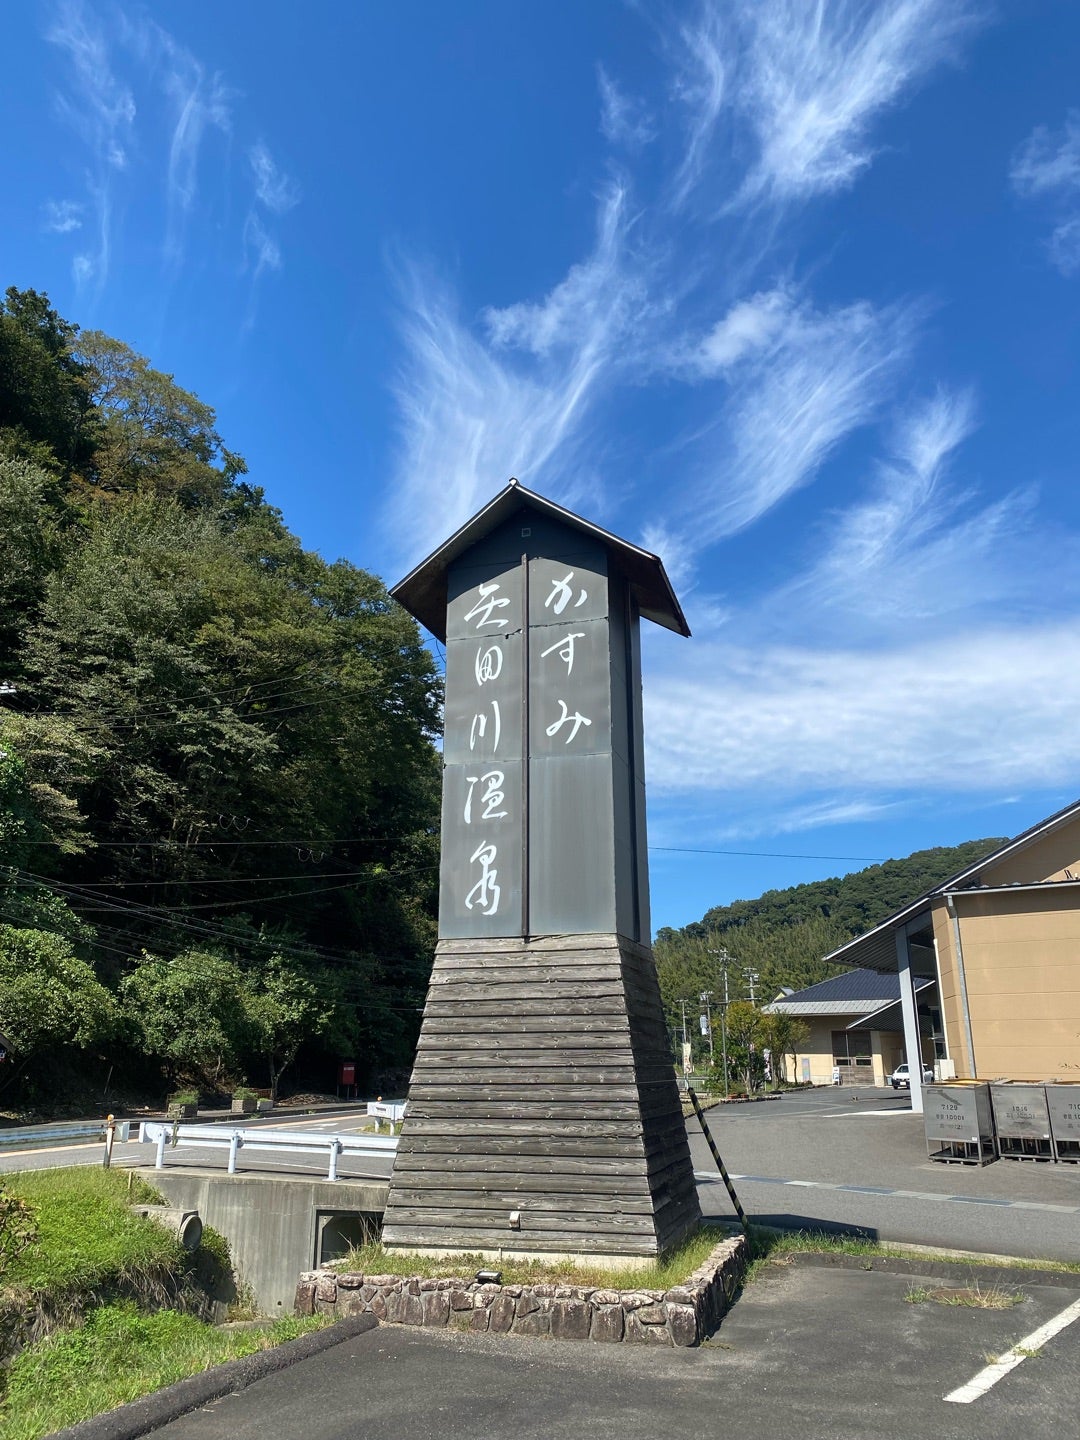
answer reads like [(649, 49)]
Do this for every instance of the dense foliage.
[(218, 783), (781, 937)]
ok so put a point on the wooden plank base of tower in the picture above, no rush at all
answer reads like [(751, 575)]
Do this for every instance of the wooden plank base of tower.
[(544, 1118)]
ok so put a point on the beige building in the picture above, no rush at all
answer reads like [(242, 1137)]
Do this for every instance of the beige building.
[(854, 1028), (1001, 943)]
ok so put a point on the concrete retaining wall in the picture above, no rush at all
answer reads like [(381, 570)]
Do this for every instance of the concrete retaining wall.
[(683, 1315), (270, 1221)]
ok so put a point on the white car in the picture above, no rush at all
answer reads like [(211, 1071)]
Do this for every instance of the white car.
[(899, 1079)]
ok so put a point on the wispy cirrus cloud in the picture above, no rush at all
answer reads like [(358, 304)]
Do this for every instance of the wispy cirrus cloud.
[(113, 56), (955, 714), (800, 381), (624, 119), (273, 188), (513, 399), (100, 108), (61, 217), (918, 546), (798, 84), (1047, 168)]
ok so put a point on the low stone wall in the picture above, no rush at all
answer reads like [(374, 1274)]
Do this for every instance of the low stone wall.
[(684, 1315)]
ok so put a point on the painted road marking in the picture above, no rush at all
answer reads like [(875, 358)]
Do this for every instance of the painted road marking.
[(1031, 1344), (710, 1178)]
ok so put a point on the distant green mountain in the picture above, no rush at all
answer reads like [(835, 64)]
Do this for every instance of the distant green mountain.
[(782, 935)]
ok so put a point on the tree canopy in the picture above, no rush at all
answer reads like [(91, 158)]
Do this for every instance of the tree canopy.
[(217, 759)]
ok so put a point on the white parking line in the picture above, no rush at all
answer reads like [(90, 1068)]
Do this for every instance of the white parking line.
[(1031, 1344)]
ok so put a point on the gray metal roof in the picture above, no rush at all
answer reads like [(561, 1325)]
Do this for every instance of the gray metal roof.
[(864, 993), (423, 590), (877, 949)]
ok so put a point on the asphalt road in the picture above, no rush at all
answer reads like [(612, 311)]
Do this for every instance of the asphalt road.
[(815, 1354), (814, 1159), (822, 1159)]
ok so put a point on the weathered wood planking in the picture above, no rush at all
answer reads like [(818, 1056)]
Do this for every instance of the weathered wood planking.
[(543, 1085)]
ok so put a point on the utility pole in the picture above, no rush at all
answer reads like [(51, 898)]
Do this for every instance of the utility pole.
[(752, 978), (705, 997), (725, 960)]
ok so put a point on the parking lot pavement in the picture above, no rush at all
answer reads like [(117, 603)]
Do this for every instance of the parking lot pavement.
[(813, 1353), (824, 1159)]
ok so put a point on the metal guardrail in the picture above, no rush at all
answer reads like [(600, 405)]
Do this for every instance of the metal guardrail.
[(283, 1142), (27, 1136), (392, 1111)]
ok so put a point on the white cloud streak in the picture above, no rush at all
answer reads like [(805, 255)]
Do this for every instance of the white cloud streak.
[(61, 217), (199, 102), (624, 120), (475, 413), (805, 79), (273, 188), (1047, 168), (100, 108), (261, 250), (801, 381), (958, 714)]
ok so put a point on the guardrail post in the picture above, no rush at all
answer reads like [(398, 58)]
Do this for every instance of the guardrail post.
[(163, 1135), (335, 1148), (110, 1135), (234, 1146)]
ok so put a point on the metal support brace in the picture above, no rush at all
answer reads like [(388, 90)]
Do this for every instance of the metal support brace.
[(234, 1146), (716, 1156), (163, 1135), (335, 1151), (909, 1011)]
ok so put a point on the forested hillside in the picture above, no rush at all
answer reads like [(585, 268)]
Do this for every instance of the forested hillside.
[(782, 935), (218, 787)]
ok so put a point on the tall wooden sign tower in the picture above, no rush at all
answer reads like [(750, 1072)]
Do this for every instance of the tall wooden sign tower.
[(544, 1116)]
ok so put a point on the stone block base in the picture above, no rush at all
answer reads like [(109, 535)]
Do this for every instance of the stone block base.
[(683, 1315)]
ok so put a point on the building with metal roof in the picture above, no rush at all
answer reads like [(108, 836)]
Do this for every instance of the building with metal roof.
[(854, 1027), (1000, 940)]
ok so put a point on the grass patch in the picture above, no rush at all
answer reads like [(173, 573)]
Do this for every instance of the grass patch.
[(118, 1355), (86, 1235), (968, 1297), (772, 1247), (668, 1270)]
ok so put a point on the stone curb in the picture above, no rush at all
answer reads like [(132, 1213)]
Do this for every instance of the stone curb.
[(140, 1417), (961, 1272), (680, 1316)]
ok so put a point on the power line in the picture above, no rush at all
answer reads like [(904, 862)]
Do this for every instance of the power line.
[(767, 854)]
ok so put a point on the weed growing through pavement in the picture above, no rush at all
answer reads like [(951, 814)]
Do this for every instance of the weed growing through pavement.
[(969, 1297)]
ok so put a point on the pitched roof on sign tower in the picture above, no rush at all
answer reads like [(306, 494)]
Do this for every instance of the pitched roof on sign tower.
[(423, 592)]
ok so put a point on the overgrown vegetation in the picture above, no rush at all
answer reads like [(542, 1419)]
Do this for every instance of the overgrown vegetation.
[(120, 1354), (669, 1269), (218, 787), (781, 937), (85, 1235), (99, 1305)]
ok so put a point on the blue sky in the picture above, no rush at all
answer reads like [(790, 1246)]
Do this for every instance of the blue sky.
[(785, 291)]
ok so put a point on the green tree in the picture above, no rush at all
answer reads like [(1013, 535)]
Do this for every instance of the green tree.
[(29, 551), (189, 1014), (49, 998), (286, 1005), (746, 1043), (153, 435), (46, 408), (782, 1034)]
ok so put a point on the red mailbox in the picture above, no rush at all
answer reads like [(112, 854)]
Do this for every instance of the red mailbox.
[(347, 1073)]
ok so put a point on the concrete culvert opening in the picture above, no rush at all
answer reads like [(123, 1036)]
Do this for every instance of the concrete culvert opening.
[(186, 1225)]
